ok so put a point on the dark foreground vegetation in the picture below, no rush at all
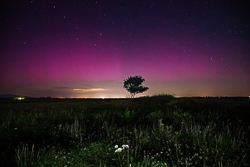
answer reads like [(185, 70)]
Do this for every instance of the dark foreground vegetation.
[(150, 131)]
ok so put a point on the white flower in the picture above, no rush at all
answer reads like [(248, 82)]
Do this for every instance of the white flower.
[(118, 150), (125, 146), (116, 146)]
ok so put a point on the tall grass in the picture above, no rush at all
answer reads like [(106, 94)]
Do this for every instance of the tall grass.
[(155, 133)]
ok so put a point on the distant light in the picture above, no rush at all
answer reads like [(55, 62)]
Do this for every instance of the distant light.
[(249, 96), (19, 98)]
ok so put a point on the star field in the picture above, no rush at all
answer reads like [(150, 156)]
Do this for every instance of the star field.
[(87, 48)]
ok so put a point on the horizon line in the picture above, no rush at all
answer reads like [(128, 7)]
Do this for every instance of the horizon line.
[(49, 97)]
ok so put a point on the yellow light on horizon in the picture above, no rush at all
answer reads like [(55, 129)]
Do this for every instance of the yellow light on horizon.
[(19, 98)]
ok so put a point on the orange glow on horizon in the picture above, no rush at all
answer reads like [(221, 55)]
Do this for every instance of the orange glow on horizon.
[(60, 97)]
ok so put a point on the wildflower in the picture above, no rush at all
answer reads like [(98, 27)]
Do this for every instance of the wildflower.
[(118, 150), (176, 133), (124, 146), (116, 146)]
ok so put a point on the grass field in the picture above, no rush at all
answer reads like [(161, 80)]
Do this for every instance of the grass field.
[(149, 131)]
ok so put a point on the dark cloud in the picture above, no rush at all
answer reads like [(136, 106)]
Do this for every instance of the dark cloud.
[(61, 87)]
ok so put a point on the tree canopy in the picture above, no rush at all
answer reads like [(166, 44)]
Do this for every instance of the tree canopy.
[(134, 85)]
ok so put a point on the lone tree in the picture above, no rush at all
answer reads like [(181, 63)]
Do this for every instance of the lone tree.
[(134, 85)]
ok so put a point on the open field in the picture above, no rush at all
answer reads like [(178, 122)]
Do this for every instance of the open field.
[(149, 131)]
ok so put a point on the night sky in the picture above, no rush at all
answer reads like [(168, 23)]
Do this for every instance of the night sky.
[(86, 48)]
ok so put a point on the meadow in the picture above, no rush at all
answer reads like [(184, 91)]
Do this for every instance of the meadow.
[(142, 132)]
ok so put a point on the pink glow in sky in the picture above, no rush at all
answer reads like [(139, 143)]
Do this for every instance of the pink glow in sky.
[(87, 48)]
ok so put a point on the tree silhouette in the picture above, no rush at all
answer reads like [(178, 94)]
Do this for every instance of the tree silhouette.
[(134, 85)]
